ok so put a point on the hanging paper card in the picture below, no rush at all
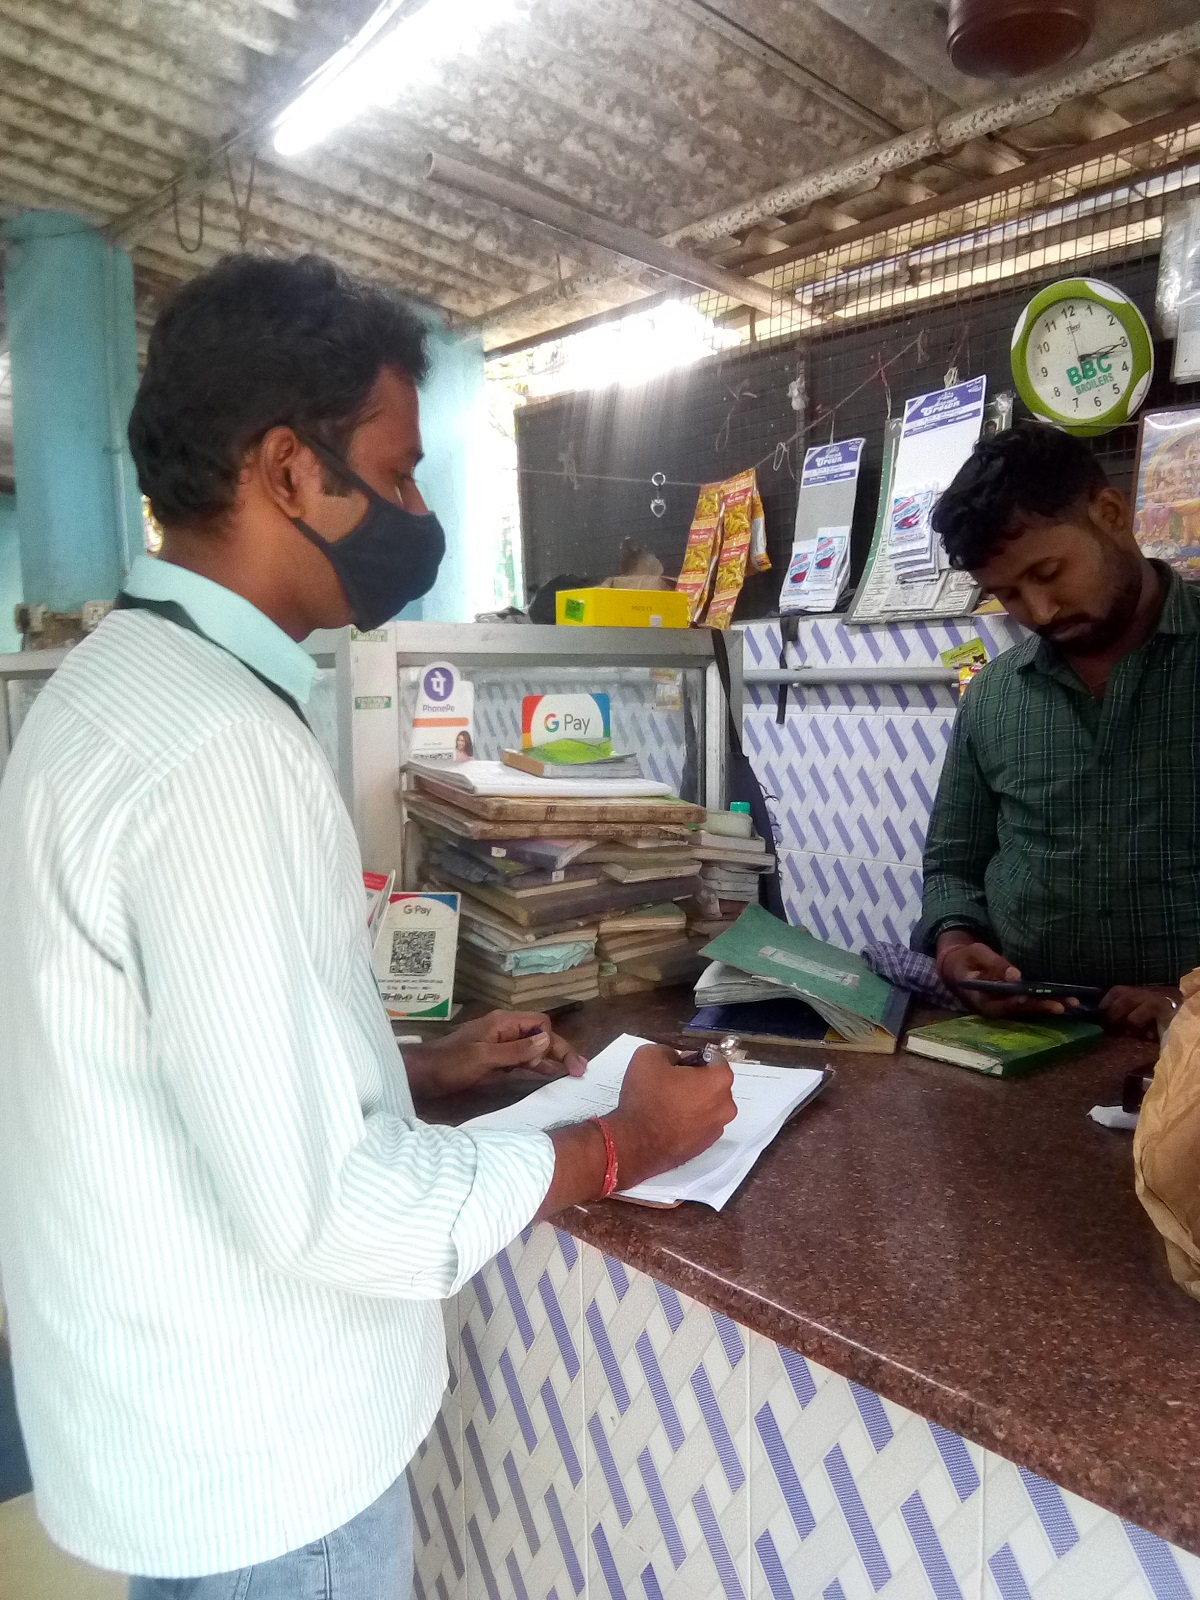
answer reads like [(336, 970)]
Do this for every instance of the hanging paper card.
[(882, 595), (820, 562), (938, 434)]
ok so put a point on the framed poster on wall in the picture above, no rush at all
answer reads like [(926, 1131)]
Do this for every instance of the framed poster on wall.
[(1166, 500)]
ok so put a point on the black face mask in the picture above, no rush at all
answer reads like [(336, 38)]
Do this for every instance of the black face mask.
[(389, 559)]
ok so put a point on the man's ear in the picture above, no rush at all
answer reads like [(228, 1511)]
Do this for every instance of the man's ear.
[(1110, 514), (288, 473)]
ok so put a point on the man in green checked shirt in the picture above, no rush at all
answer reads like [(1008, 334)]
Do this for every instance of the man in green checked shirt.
[(1064, 845)]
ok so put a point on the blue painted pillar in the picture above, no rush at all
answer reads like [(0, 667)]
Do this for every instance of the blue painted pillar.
[(73, 343), (453, 413)]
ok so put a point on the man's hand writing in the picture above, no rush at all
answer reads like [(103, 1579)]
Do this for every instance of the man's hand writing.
[(667, 1114)]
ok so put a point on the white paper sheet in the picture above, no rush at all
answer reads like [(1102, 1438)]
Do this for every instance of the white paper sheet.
[(765, 1097), (495, 779)]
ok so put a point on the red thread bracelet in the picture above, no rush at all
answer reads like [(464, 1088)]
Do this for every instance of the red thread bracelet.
[(610, 1158)]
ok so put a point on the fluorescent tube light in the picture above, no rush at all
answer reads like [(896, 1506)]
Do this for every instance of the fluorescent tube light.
[(400, 48)]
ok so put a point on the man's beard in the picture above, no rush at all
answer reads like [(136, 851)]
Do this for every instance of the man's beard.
[(1089, 636)]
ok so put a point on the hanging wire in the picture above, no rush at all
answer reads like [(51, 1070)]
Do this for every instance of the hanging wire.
[(778, 456), (574, 478), (188, 249), (737, 394), (879, 375), (566, 460), (241, 209)]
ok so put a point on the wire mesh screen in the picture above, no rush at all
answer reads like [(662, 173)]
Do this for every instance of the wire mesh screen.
[(883, 312), (988, 237)]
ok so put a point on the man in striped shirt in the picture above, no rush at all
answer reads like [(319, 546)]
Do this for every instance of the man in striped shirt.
[(224, 1232)]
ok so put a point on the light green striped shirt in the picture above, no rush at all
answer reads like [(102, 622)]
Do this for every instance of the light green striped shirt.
[(223, 1230)]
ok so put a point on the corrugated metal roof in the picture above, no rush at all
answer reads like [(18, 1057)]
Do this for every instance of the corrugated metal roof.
[(653, 113)]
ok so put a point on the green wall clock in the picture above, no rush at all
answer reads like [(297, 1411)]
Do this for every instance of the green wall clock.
[(1082, 356)]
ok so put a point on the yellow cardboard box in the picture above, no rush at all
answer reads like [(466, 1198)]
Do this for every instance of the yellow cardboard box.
[(623, 608)]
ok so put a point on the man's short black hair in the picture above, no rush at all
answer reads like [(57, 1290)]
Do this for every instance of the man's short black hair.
[(1031, 470), (253, 344)]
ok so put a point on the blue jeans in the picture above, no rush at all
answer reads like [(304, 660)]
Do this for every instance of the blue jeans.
[(371, 1558)]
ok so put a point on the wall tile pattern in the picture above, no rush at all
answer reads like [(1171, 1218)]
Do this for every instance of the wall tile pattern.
[(605, 1437), (851, 774)]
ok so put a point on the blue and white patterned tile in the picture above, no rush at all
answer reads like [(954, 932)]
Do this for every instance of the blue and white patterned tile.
[(523, 1311), (1042, 1542), (683, 1458), (913, 752), (435, 1478), (760, 644), (821, 775), (828, 641), (848, 901), (779, 767), (522, 1360), (666, 1387), (851, 784), (852, 1496)]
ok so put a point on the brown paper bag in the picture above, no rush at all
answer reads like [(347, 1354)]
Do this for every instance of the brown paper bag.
[(1166, 1144)]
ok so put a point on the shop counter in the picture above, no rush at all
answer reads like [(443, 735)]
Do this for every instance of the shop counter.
[(931, 1347)]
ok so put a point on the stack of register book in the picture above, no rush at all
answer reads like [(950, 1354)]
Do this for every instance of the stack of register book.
[(730, 870), (770, 983), (571, 887)]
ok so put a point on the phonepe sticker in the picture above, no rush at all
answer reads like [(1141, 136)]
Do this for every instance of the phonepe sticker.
[(443, 723)]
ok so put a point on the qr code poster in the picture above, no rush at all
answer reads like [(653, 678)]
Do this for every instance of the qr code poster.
[(414, 954)]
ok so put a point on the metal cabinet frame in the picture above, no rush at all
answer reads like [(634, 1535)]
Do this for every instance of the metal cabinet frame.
[(366, 669)]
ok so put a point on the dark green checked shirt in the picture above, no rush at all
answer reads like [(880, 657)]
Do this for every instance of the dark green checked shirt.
[(1067, 830)]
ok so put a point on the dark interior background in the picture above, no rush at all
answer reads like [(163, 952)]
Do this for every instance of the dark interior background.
[(731, 411)]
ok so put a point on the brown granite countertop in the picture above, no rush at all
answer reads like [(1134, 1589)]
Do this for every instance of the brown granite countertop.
[(968, 1247)]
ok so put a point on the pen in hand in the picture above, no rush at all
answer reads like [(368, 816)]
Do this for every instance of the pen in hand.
[(710, 1055)]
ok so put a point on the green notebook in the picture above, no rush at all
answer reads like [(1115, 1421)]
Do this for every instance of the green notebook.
[(1001, 1047), (839, 986)]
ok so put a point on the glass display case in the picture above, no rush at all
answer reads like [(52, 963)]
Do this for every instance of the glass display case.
[(24, 674), (663, 685), (664, 690)]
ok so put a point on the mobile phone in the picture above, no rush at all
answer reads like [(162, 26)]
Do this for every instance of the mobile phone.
[(1037, 991)]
